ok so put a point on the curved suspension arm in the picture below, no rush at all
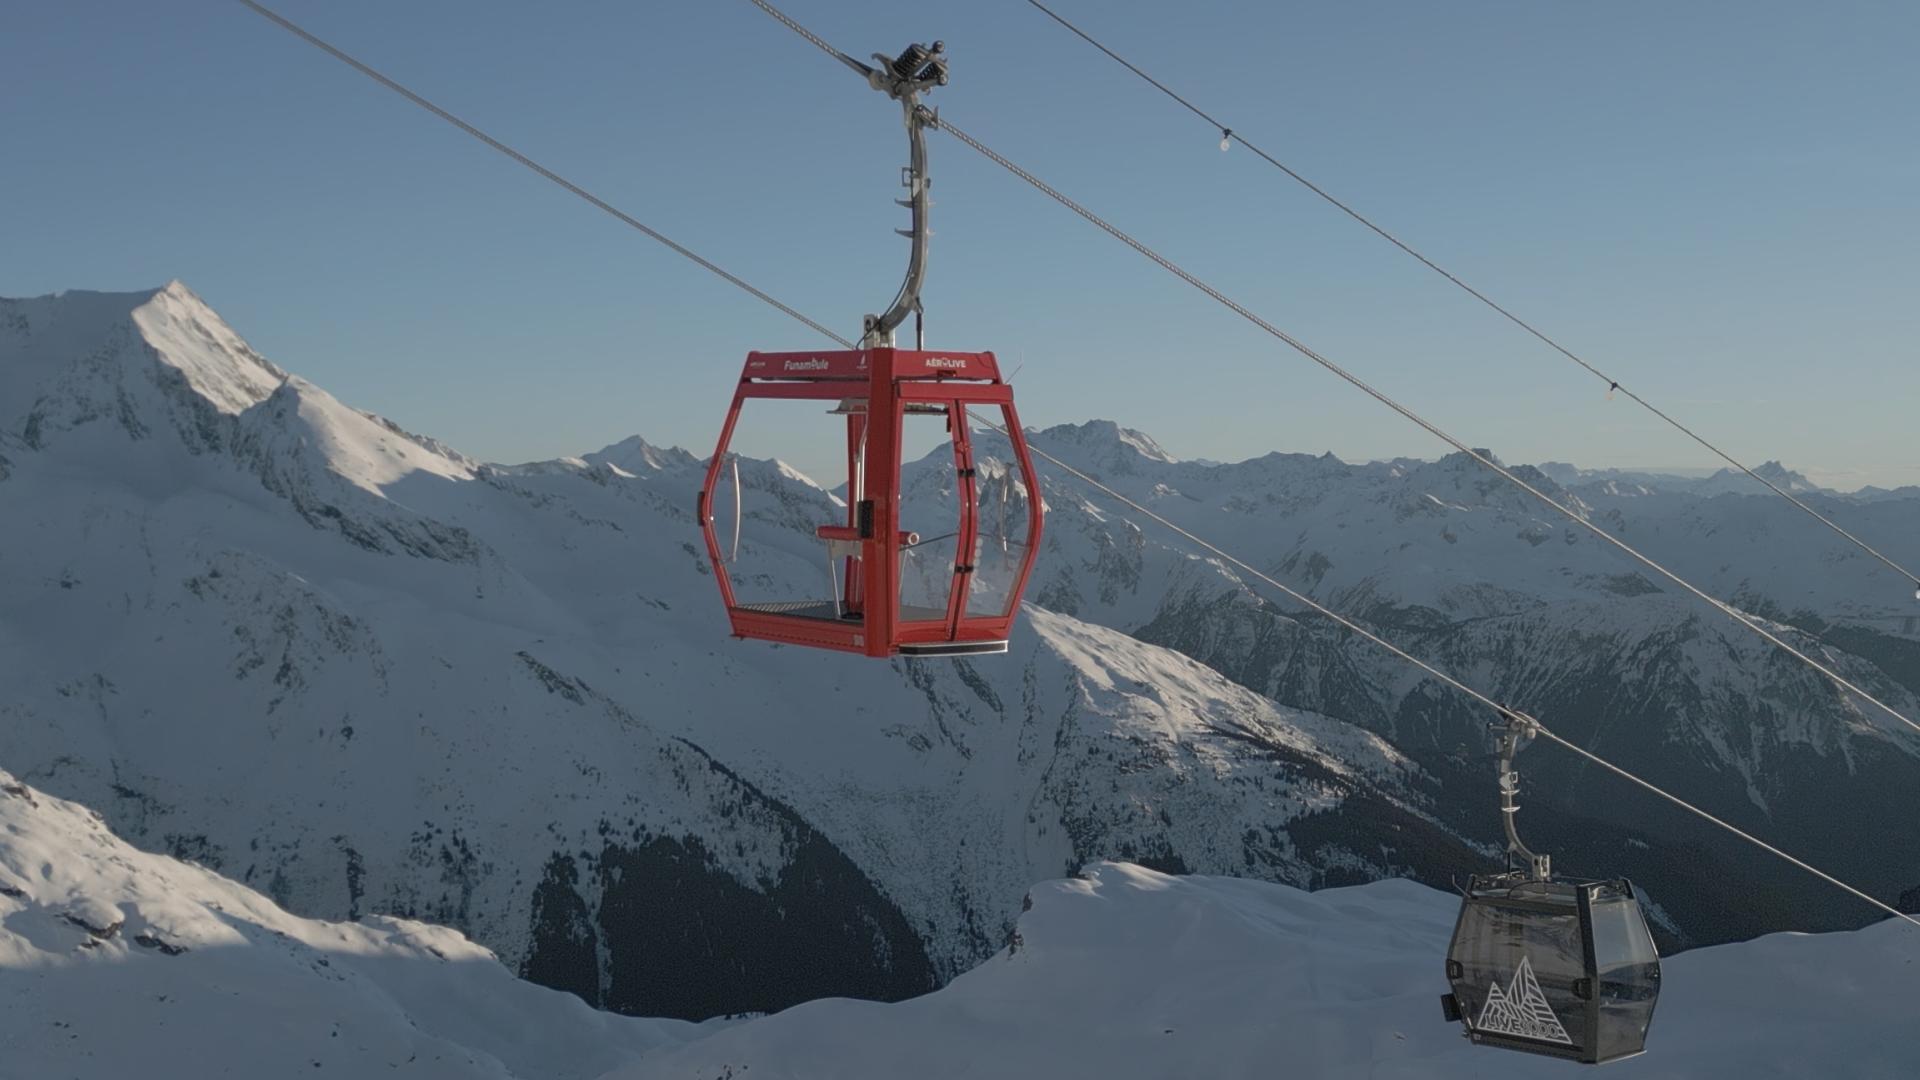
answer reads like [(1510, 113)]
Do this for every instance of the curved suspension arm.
[(904, 78), (917, 69), (879, 328), (1538, 867)]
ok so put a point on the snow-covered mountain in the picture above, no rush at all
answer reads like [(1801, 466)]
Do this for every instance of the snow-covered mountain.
[(346, 665), (1726, 481), (121, 963), (115, 962), (1460, 567), (355, 669)]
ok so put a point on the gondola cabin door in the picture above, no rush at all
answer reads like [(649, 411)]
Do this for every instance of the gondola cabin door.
[(937, 574)]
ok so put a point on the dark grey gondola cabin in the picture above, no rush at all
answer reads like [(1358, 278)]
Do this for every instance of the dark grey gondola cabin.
[(1561, 968)]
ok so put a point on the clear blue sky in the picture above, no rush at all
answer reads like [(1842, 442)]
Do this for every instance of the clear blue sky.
[(1718, 201)]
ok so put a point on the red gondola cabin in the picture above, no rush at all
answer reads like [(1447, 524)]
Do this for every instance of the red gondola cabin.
[(888, 590)]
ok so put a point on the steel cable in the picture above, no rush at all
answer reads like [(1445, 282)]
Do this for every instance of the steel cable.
[(1612, 383), (1530, 721), (1096, 485), (1741, 617), (523, 159)]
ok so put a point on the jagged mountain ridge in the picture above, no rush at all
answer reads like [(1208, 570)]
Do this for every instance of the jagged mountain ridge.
[(1724, 481), (595, 560), (347, 665), (1452, 562)]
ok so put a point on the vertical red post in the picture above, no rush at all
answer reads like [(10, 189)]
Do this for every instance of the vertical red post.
[(882, 564)]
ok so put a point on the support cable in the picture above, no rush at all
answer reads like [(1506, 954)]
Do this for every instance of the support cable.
[(1097, 486), (1530, 722), (1741, 617), (595, 200), (1750, 622), (1613, 384)]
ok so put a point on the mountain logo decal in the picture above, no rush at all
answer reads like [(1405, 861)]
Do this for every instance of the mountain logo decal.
[(1521, 1010)]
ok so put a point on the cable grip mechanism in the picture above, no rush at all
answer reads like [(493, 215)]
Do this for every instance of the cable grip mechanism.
[(917, 69), (1513, 727)]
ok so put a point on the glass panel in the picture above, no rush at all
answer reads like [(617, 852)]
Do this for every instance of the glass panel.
[(1518, 970), (1002, 514), (798, 485), (1627, 969), (929, 507)]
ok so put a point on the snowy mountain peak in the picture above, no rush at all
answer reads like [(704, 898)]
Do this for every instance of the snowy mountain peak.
[(1785, 477), (1460, 479), (1463, 462), (636, 456), (1103, 437), (1735, 482), (95, 363), (131, 366), (186, 334)]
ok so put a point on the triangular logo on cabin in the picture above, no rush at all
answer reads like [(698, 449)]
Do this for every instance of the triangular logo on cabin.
[(1521, 1010)]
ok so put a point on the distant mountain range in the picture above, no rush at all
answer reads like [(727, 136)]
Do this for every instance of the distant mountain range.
[(363, 673), (1708, 484)]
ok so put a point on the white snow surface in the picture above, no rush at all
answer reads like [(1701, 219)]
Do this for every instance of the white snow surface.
[(250, 623), (1127, 973), (115, 963)]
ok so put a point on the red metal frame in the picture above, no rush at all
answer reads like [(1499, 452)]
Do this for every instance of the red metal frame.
[(887, 380)]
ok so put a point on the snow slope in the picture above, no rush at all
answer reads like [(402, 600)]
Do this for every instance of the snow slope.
[(1127, 973), (118, 963), (350, 667), (115, 963), (1454, 564)]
